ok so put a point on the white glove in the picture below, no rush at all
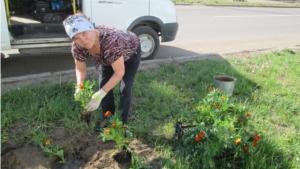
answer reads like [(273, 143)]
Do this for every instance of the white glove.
[(95, 100)]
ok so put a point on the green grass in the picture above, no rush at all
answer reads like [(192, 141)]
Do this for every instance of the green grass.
[(268, 84), (240, 3)]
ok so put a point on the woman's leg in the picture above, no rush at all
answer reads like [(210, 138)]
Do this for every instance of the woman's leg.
[(107, 103), (126, 84)]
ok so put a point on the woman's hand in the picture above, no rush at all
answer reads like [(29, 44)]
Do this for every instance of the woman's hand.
[(95, 100)]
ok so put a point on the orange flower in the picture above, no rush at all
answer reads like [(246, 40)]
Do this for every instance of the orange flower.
[(246, 148), (197, 139), (223, 98), (254, 143), (201, 135), (256, 137), (247, 114), (107, 131), (113, 124), (107, 113), (47, 142), (219, 88), (210, 88), (81, 86), (218, 106), (238, 141)]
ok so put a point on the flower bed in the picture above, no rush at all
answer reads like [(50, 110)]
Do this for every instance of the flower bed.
[(217, 129)]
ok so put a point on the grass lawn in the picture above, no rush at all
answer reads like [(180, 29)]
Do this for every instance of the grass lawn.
[(267, 84)]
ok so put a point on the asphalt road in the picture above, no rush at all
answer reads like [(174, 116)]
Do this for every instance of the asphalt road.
[(202, 30)]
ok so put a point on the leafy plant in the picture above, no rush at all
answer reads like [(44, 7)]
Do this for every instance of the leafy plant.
[(220, 131), (116, 131), (53, 151), (120, 133), (85, 91)]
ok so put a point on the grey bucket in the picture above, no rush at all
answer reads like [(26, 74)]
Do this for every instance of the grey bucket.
[(226, 83)]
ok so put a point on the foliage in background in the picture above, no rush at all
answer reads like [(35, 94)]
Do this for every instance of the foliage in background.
[(219, 131)]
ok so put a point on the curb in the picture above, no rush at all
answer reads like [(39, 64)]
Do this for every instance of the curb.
[(69, 75)]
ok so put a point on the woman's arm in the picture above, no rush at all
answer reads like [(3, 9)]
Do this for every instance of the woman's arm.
[(119, 71), (80, 68)]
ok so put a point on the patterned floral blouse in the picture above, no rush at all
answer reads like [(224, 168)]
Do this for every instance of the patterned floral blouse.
[(114, 43)]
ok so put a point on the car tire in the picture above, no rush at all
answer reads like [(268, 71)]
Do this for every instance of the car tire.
[(149, 41)]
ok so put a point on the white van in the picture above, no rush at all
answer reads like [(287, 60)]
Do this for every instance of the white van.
[(37, 25)]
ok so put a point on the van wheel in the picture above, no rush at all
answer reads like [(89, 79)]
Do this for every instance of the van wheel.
[(149, 41)]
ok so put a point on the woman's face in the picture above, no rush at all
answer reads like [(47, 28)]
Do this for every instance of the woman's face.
[(85, 39)]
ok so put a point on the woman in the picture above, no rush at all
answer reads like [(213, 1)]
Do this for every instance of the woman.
[(116, 54)]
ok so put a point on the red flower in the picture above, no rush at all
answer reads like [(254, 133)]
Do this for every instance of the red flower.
[(201, 135), (246, 148), (81, 86), (197, 139), (107, 113), (254, 143), (256, 137)]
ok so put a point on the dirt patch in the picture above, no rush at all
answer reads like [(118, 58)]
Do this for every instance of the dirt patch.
[(83, 150)]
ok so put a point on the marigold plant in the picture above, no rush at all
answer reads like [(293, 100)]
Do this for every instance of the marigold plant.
[(85, 92), (219, 131), (116, 131), (53, 151)]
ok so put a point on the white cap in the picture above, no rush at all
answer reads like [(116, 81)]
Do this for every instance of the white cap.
[(77, 23)]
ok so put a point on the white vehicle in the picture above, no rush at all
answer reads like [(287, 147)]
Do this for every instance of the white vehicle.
[(39, 25)]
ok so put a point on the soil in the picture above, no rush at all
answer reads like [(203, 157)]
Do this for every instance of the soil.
[(82, 150), (85, 116)]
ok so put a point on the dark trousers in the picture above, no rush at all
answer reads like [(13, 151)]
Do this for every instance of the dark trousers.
[(107, 103)]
